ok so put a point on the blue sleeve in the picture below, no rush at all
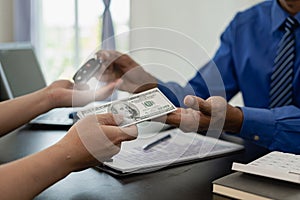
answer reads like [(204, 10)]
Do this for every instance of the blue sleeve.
[(216, 78), (275, 129), (226, 62), (175, 92)]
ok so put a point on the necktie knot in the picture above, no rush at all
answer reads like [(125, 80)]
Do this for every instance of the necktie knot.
[(291, 24)]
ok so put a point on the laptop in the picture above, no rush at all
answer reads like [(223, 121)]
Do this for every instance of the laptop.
[(21, 74)]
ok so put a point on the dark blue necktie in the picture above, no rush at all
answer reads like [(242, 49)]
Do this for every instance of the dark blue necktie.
[(281, 90)]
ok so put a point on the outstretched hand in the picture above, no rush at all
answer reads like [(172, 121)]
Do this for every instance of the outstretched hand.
[(64, 93), (201, 115)]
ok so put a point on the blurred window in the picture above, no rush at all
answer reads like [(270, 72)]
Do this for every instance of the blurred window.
[(70, 30)]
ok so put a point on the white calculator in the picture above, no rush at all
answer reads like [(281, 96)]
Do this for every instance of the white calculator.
[(278, 165)]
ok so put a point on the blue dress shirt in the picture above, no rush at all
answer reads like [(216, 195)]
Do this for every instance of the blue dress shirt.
[(244, 60)]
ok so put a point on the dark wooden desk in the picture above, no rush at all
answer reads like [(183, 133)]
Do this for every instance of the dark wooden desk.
[(192, 181)]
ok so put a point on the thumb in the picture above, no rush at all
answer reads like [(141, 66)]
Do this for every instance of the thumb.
[(198, 104), (109, 119), (105, 91), (129, 133), (81, 86), (118, 135)]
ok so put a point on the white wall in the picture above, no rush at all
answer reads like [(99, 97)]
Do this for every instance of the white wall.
[(197, 21), (6, 20), (201, 20)]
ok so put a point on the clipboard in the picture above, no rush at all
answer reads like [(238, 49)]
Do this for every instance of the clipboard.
[(181, 148)]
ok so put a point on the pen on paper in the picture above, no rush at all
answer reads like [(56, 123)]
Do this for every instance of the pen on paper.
[(156, 142)]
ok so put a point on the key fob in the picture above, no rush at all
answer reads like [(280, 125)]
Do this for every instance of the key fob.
[(87, 71)]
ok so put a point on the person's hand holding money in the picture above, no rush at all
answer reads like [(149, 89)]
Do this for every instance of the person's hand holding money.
[(121, 66), (96, 138), (213, 113)]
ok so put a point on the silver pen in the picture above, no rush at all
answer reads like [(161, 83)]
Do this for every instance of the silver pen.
[(156, 142)]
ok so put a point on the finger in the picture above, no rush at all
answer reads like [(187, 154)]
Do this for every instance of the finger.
[(82, 97), (186, 119), (102, 55), (109, 59), (119, 83), (105, 91), (105, 76), (81, 86), (105, 56), (118, 135), (108, 72), (161, 119), (109, 119), (198, 104), (174, 118), (129, 133), (104, 72)]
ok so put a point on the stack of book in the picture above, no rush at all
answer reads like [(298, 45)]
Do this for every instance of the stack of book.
[(273, 176)]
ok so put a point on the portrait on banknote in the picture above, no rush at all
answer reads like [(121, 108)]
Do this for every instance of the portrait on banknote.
[(128, 110)]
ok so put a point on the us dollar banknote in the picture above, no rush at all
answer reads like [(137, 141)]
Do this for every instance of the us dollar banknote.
[(136, 108)]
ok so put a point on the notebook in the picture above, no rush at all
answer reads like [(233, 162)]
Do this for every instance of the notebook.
[(275, 175), (179, 148), (21, 74), (277, 165), (240, 185)]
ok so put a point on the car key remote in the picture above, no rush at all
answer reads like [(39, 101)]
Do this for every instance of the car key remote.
[(87, 71)]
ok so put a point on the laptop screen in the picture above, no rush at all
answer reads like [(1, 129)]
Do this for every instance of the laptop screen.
[(20, 71)]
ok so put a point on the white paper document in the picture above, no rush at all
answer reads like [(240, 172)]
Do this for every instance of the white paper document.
[(180, 147)]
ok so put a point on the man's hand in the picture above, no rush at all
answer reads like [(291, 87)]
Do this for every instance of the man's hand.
[(120, 66), (213, 113)]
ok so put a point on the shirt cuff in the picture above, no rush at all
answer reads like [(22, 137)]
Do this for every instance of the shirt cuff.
[(169, 89), (258, 126)]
